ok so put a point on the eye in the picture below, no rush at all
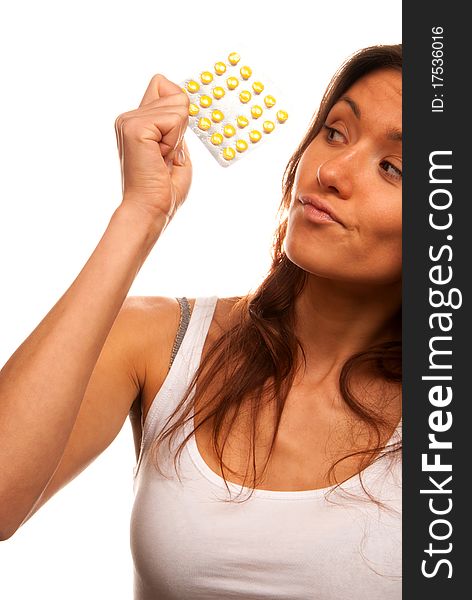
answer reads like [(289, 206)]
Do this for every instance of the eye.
[(331, 132), (391, 170)]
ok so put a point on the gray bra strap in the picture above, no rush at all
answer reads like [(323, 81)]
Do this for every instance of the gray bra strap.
[(183, 324)]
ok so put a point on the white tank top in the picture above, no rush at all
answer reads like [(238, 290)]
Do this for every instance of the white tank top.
[(187, 543)]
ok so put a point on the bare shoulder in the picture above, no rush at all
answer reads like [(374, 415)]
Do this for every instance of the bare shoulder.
[(152, 323), (149, 322), (157, 319), (143, 310)]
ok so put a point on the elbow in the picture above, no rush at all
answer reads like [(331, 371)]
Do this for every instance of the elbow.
[(12, 517), (6, 531), (6, 534), (8, 523)]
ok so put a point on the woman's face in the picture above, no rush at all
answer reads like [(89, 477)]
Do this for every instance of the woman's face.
[(353, 166)]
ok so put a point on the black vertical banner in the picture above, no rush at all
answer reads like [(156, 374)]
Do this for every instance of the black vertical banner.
[(437, 355)]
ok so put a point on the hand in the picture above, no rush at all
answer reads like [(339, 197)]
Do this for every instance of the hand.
[(156, 170)]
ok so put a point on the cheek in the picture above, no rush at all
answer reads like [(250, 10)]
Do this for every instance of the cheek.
[(379, 244), (378, 211), (375, 251), (381, 226)]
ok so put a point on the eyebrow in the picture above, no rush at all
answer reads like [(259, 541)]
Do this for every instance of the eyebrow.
[(392, 134), (354, 106)]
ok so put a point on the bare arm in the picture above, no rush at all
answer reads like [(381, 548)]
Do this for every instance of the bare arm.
[(43, 384)]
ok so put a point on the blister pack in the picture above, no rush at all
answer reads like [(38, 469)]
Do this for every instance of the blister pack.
[(234, 108)]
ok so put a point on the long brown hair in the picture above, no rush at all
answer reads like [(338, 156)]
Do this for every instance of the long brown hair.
[(258, 354)]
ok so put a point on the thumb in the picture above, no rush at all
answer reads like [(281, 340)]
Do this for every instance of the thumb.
[(180, 155), (182, 173)]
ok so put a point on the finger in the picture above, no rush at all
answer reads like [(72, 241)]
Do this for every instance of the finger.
[(170, 144), (119, 141), (181, 154), (164, 127), (172, 138), (158, 87), (181, 176), (179, 98), (154, 112), (179, 102), (155, 108), (173, 154)]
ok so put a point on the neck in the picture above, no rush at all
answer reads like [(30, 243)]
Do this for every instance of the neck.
[(335, 319)]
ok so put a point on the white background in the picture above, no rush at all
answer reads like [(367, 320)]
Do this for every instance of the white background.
[(68, 70)]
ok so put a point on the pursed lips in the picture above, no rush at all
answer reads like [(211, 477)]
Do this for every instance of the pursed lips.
[(320, 205)]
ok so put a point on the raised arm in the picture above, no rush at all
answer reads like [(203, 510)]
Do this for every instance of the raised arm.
[(81, 345)]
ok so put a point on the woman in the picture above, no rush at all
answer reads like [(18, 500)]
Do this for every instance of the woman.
[(294, 389)]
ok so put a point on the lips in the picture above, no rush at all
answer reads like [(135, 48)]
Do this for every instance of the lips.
[(321, 205)]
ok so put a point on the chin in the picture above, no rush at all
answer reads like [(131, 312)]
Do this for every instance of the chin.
[(336, 268), (305, 253), (305, 261)]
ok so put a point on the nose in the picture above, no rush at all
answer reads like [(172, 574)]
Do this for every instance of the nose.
[(337, 174)]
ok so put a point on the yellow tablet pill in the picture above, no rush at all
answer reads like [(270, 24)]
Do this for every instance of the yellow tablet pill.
[(282, 116), (220, 68), (246, 72), (229, 153), (193, 110), (229, 125), (245, 96), (242, 121), (232, 83), (206, 77), (217, 116), (229, 131), (193, 86), (241, 145), (234, 58), (218, 92), (256, 111), (216, 139), (258, 87), (255, 135), (205, 101), (204, 123)]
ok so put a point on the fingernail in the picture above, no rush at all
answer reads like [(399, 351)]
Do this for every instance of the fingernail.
[(180, 157)]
